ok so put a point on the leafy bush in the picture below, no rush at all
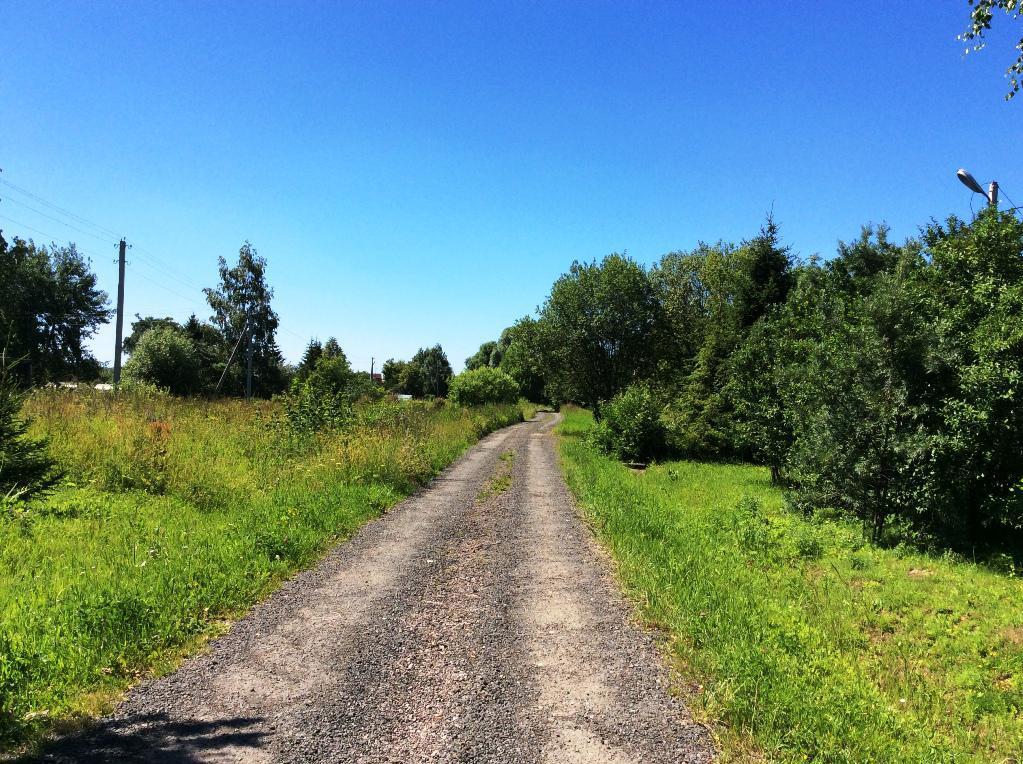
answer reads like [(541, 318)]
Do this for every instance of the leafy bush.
[(630, 427), (321, 397), (481, 386), (167, 358)]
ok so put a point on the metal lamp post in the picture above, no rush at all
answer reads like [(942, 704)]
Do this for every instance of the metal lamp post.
[(971, 183)]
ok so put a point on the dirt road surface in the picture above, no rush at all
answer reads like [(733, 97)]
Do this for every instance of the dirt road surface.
[(475, 622)]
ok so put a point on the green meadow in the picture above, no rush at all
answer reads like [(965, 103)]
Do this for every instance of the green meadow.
[(801, 641)]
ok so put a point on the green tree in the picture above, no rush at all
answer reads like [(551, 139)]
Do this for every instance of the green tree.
[(767, 268), (482, 357), (393, 372), (142, 325), (696, 413), (432, 372), (242, 301), (313, 352), (522, 359), (49, 307), (211, 350), (332, 370), (858, 418), (725, 290), (631, 427), (974, 300), (166, 357), (25, 467), (332, 348), (597, 329)]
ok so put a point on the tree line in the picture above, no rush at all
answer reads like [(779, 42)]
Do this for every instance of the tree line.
[(885, 382)]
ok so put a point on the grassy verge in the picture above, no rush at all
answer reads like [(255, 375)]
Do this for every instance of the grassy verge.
[(178, 514), (807, 643)]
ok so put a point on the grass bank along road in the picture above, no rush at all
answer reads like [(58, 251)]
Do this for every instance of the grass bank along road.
[(476, 622)]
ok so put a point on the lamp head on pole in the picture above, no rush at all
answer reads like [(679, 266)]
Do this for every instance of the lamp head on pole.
[(970, 182)]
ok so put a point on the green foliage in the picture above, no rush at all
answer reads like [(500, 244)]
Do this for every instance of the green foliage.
[(482, 357), (210, 348), (981, 15), (311, 407), (887, 385), (49, 307), (974, 293), (484, 385), (242, 301), (713, 296), (804, 643), (311, 355), (361, 386), (427, 374), (597, 329), (142, 325), (630, 427), (321, 398), (165, 357), (522, 359), (25, 468), (434, 371), (393, 372)]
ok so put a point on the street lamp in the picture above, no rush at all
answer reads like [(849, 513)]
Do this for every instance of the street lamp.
[(971, 183)]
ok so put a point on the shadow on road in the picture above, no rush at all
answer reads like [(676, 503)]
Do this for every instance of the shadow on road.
[(155, 738)]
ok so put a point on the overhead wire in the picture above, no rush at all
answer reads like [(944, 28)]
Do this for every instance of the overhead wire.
[(1014, 206), (53, 239), (58, 208), (191, 300), (63, 223), (159, 262), (150, 259)]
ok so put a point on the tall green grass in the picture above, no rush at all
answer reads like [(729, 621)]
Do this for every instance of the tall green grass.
[(177, 513), (807, 643)]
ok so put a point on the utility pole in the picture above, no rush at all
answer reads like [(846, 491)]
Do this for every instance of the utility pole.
[(248, 370), (372, 361), (992, 193), (120, 312)]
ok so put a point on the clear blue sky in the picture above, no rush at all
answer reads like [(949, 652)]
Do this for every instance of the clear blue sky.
[(420, 172)]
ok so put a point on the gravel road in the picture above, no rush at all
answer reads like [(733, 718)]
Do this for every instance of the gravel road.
[(475, 622)]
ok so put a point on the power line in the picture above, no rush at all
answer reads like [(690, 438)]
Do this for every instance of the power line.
[(151, 260), (51, 205), (1014, 207), (192, 302), (63, 223), (167, 272), (50, 236), (158, 262)]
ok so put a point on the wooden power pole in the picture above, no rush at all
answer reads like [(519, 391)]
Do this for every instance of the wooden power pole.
[(120, 312)]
